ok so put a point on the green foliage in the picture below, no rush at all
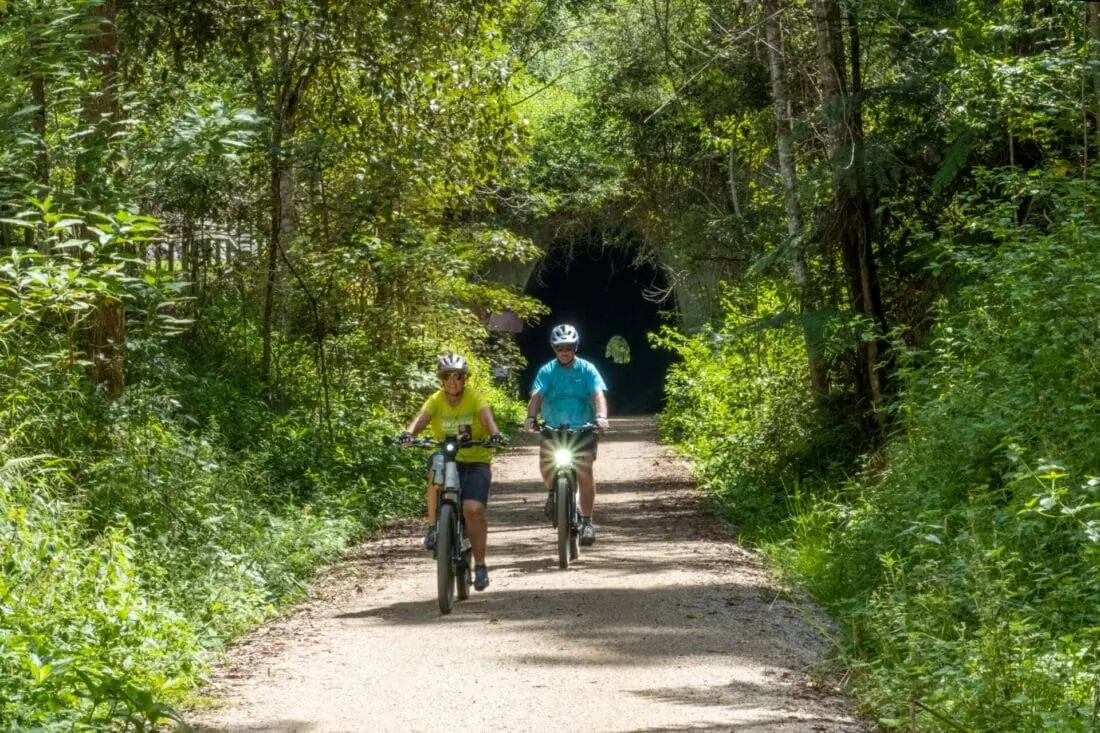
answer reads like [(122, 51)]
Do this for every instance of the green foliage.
[(981, 604), (737, 402), (193, 505), (47, 305), (618, 350), (410, 144), (84, 642)]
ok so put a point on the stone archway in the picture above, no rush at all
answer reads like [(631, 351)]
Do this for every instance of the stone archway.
[(605, 291), (692, 295)]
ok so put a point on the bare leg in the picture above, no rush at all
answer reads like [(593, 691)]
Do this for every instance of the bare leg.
[(433, 497), (587, 482), (546, 467), (477, 528)]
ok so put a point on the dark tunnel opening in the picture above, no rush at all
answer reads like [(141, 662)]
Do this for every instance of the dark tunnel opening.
[(602, 293)]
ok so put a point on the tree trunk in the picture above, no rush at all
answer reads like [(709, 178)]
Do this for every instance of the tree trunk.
[(107, 330), (282, 231), (196, 259), (819, 380), (850, 227), (41, 160), (104, 347), (291, 85), (293, 64), (41, 157), (101, 109), (1093, 20), (186, 254), (868, 268)]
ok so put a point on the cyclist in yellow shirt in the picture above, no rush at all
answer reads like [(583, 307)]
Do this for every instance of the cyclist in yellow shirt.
[(457, 410)]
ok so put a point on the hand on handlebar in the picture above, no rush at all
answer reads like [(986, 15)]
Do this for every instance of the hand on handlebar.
[(406, 438), (602, 424), (530, 424), (497, 440)]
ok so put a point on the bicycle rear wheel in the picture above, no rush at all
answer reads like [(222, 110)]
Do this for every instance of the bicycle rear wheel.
[(575, 523), (444, 558), (463, 568)]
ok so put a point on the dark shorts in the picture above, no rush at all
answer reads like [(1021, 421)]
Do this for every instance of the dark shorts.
[(475, 479)]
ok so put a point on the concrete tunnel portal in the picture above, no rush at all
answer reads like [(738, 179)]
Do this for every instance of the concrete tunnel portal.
[(604, 293)]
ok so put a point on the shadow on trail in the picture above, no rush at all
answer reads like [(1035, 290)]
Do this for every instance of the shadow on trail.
[(777, 723), (271, 726), (615, 626)]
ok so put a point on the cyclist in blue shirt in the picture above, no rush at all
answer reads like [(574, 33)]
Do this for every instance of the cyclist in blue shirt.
[(569, 390)]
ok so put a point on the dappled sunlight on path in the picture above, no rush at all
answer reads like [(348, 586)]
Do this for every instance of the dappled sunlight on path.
[(663, 625)]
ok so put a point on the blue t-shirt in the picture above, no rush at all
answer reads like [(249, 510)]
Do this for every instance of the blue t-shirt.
[(567, 392)]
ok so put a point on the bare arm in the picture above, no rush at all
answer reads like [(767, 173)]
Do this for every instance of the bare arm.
[(487, 420), (422, 418), (599, 401), (534, 404)]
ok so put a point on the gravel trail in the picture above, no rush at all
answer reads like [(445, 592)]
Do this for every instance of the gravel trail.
[(665, 624)]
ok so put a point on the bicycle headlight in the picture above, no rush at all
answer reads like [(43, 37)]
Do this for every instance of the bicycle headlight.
[(563, 457)]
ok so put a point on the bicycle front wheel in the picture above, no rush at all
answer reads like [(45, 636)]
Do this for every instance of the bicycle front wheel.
[(564, 491), (444, 558)]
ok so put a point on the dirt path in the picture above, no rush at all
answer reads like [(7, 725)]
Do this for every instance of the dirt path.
[(663, 625)]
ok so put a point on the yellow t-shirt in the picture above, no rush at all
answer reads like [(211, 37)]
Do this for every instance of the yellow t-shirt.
[(460, 419)]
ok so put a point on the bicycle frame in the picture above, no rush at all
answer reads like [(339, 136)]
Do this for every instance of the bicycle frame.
[(452, 550), (565, 442), (452, 553)]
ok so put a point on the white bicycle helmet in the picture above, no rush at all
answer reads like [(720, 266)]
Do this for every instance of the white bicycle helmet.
[(452, 363), (564, 335)]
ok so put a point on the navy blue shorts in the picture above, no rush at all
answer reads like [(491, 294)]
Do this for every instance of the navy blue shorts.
[(475, 479)]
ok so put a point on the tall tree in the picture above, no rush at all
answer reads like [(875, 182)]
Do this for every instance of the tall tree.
[(849, 226), (789, 175), (93, 181), (101, 113)]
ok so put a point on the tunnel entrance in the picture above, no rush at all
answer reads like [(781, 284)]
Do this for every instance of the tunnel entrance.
[(601, 292)]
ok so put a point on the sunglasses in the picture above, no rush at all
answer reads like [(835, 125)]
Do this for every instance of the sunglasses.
[(564, 349), (459, 376)]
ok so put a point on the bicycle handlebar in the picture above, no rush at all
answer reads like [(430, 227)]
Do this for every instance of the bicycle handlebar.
[(433, 443), (544, 428)]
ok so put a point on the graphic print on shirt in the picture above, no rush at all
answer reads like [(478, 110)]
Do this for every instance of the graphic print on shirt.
[(461, 420)]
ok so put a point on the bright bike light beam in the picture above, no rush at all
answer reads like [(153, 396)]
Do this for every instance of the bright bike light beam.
[(563, 457)]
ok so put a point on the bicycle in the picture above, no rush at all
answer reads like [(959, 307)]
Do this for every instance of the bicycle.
[(452, 546), (564, 488)]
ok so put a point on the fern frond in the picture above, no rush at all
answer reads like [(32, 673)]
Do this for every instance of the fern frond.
[(17, 467), (782, 252), (954, 158)]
